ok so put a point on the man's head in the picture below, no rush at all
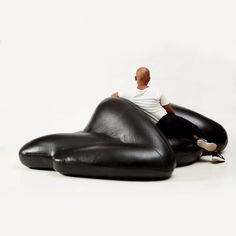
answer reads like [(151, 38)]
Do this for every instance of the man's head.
[(142, 76)]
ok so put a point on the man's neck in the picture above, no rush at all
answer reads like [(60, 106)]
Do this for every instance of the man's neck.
[(142, 87)]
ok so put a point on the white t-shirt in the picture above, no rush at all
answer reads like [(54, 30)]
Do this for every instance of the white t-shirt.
[(150, 100)]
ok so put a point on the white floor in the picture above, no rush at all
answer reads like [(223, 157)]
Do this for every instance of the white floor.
[(197, 200)]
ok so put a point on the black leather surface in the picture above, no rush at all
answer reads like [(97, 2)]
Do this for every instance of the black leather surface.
[(119, 142)]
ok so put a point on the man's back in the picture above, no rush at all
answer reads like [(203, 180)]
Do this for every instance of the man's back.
[(149, 99)]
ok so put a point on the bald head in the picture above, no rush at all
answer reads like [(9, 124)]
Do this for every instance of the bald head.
[(142, 76)]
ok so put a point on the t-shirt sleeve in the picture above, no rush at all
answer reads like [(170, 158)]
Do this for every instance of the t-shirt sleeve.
[(164, 100)]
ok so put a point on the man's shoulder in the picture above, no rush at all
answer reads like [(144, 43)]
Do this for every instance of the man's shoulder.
[(157, 91), (125, 91)]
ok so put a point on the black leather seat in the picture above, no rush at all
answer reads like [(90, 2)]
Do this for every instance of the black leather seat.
[(120, 142)]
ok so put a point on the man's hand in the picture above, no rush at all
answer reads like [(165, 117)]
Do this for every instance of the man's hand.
[(115, 94), (169, 108)]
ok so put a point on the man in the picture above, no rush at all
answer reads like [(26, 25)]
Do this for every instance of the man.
[(160, 111)]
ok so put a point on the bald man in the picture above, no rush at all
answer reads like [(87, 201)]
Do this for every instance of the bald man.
[(162, 114)]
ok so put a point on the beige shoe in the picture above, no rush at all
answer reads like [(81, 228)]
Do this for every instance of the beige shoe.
[(205, 145)]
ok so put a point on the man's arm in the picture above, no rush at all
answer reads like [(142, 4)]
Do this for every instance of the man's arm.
[(115, 94), (169, 108)]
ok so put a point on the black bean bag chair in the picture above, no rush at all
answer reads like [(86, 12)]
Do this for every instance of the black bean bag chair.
[(120, 142)]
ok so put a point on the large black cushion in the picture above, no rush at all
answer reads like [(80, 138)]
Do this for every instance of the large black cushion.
[(120, 141)]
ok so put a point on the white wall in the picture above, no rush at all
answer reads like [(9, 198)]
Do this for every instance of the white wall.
[(59, 59)]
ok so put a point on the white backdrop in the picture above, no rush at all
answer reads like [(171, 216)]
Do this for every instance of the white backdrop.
[(59, 59)]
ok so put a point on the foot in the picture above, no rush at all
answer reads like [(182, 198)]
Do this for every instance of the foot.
[(205, 145), (217, 157)]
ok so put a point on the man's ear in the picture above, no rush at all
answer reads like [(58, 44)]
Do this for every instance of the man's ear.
[(135, 77)]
